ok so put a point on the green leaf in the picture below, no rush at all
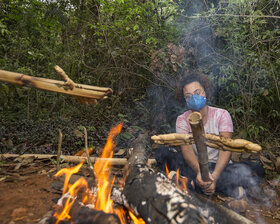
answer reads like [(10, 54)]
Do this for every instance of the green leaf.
[(137, 128), (127, 135), (80, 128), (121, 115)]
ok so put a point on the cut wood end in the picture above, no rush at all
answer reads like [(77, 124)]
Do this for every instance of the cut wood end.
[(155, 137), (195, 117)]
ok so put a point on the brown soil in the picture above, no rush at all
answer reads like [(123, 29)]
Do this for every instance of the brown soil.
[(26, 194)]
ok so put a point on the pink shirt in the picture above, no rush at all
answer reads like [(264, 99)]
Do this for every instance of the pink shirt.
[(219, 120)]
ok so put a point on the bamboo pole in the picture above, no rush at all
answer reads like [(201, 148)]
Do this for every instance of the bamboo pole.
[(211, 140), (72, 159), (80, 90), (198, 135)]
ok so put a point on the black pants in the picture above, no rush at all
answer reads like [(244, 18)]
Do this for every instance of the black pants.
[(245, 174)]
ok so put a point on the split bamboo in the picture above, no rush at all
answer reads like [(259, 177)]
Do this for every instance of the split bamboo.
[(79, 90), (211, 140)]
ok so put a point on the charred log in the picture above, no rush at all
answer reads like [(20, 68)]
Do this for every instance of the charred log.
[(84, 215), (157, 200), (87, 215)]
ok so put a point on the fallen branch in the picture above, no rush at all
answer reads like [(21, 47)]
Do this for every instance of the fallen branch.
[(211, 140), (72, 159)]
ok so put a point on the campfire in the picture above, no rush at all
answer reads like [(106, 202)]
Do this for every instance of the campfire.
[(142, 197), (97, 198)]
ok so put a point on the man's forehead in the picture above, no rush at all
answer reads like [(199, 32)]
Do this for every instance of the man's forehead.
[(193, 85), (186, 91)]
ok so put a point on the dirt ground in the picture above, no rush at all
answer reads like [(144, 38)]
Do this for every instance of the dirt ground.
[(26, 194)]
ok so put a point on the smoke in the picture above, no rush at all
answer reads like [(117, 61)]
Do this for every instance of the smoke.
[(194, 51), (163, 106)]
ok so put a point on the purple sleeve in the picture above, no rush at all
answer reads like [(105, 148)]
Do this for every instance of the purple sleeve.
[(225, 122)]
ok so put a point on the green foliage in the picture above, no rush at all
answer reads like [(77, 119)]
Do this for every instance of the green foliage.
[(249, 78)]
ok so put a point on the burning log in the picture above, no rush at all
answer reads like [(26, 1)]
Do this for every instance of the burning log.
[(82, 215), (157, 200), (83, 93), (89, 215)]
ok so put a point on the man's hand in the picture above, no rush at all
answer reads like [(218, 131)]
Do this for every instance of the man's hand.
[(212, 188), (208, 187), (203, 184)]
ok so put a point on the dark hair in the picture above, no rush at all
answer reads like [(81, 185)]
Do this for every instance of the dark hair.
[(202, 79)]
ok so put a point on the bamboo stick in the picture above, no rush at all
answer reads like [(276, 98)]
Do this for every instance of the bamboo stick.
[(72, 159), (198, 135), (80, 90)]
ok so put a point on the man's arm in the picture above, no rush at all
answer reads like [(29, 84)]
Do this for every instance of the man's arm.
[(192, 161), (223, 159), (190, 157)]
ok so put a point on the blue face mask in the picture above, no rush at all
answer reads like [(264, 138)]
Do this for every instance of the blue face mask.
[(196, 102)]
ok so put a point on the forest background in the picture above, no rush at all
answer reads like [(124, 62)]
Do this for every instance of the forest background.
[(140, 49)]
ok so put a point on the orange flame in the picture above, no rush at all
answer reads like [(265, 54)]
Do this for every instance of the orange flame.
[(177, 177), (135, 219), (68, 173), (181, 181), (102, 172), (184, 181), (73, 190), (166, 170)]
